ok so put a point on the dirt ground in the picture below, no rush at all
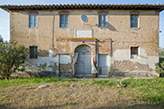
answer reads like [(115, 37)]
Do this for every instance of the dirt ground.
[(69, 95)]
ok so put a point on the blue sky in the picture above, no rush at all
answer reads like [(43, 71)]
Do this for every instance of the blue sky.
[(4, 16)]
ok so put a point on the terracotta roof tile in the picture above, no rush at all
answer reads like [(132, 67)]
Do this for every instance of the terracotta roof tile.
[(159, 7)]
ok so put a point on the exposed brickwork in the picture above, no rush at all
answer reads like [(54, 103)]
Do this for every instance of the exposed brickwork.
[(117, 36)]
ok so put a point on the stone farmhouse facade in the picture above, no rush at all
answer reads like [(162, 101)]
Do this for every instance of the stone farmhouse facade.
[(117, 40)]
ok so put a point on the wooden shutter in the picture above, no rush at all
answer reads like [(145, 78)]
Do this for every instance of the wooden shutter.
[(35, 20), (100, 20), (134, 20), (31, 21), (66, 20)]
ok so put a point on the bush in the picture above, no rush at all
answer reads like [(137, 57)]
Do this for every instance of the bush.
[(12, 56), (159, 67), (161, 59)]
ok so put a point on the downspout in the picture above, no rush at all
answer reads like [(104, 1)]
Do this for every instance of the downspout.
[(59, 64), (53, 47), (53, 31)]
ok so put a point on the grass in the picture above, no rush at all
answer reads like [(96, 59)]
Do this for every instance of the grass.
[(108, 83), (151, 89), (74, 92), (11, 82)]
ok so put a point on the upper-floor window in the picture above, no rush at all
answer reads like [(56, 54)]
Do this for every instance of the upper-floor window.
[(33, 20), (63, 20), (103, 20), (134, 20), (33, 52)]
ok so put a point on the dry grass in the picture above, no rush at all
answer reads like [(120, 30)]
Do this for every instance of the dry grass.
[(71, 95)]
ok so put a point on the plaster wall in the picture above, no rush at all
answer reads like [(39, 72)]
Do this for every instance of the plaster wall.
[(58, 64), (122, 36), (142, 58), (118, 30)]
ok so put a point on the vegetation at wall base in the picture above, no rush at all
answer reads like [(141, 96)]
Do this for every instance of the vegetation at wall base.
[(161, 52), (159, 67), (161, 59), (152, 89)]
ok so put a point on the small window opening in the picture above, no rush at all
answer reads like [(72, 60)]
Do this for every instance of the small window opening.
[(33, 52), (134, 52)]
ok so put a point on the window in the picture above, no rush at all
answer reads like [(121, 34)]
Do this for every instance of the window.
[(33, 20), (134, 20), (33, 52), (134, 52), (103, 20), (64, 20)]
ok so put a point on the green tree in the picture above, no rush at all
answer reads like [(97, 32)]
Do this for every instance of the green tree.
[(1, 40), (12, 57), (161, 52), (159, 67)]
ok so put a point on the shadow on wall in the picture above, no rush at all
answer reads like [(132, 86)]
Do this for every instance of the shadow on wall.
[(110, 27), (43, 53)]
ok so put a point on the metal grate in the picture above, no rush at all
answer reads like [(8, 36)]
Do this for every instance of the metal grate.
[(134, 50), (33, 52)]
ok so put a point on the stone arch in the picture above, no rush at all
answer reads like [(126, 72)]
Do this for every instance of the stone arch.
[(82, 63), (83, 48)]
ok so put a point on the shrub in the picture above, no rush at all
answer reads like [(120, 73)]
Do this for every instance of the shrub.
[(12, 56), (159, 67)]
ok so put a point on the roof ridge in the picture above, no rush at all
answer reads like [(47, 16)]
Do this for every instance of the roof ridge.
[(159, 7), (85, 4)]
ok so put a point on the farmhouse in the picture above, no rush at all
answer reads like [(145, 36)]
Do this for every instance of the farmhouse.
[(88, 40)]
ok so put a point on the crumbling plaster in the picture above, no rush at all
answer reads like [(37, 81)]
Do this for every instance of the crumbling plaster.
[(52, 64), (125, 55), (119, 32), (118, 27)]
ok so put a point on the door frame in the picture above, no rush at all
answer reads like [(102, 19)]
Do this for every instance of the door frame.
[(83, 75), (99, 68)]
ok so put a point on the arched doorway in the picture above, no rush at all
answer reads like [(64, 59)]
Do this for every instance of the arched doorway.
[(83, 63)]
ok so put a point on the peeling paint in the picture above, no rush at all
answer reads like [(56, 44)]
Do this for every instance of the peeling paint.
[(124, 54), (114, 41)]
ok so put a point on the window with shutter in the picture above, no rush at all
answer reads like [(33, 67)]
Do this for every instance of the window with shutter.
[(33, 20), (64, 20), (134, 20), (33, 52), (103, 20)]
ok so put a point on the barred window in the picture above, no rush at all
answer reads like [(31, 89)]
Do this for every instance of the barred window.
[(134, 50), (33, 52)]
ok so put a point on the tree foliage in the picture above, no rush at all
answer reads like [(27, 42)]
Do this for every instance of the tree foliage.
[(12, 57), (161, 52), (159, 67)]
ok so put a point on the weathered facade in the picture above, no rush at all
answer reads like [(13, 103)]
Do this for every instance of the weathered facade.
[(119, 40)]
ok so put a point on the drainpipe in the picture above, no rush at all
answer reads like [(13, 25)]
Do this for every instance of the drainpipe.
[(59, 64), (53, 31)]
